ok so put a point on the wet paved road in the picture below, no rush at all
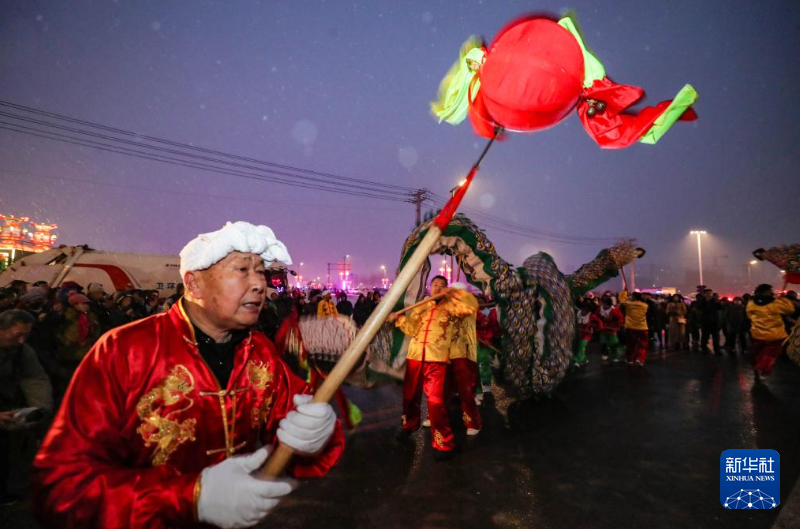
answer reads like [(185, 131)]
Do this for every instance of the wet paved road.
[(616, 447)]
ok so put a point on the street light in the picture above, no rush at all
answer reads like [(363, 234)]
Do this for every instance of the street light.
[(699, 252), (384, 281), (346, 273)]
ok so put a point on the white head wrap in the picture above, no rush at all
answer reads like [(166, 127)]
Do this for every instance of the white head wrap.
[(209, 248)]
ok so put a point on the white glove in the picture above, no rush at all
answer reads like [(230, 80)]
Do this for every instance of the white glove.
[(308, 428), (231, 497)]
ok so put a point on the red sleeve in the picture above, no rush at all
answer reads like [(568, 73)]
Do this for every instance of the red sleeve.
[(83, 475), (302, 467), (598, 323)]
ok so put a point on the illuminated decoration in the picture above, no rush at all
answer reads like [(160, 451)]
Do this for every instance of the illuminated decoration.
[(19, 236), (43, 238), (536, 72), (344, 273), (446, 271)]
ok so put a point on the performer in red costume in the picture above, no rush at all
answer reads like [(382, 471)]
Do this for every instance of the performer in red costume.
[(162, 423)]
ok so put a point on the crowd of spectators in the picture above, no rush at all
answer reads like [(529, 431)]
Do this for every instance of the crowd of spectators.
[(705, 322), (45, 333)]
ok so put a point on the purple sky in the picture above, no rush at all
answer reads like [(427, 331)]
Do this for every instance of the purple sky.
[(344, 88)]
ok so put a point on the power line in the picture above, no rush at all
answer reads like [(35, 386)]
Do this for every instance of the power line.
[(186, 193), (420, 196), (183, 163), (277, 173), (196, 156), (199, 149)]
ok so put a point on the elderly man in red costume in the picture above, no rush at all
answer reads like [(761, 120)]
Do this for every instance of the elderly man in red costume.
[(162, 423)]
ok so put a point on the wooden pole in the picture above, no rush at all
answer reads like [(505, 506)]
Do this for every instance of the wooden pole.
[(280, 458), (418, 303)]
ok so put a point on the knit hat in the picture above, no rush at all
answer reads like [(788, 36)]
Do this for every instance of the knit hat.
[(33, 295), (75, 298), (95, 287), (209, 248), (122, 297)]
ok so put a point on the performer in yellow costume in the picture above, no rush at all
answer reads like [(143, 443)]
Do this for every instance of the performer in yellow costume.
[(464, 357), (431, 328), (326, 307)]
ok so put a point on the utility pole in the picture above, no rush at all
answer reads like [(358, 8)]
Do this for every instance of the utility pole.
[(417, 198), (328, 284)]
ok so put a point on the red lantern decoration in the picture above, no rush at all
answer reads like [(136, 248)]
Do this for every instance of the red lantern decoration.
[(531, 79)]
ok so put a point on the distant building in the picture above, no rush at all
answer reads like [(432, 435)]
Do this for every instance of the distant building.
[(20, 236)]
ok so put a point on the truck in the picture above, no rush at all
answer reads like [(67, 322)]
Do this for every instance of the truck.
[(114, 270)]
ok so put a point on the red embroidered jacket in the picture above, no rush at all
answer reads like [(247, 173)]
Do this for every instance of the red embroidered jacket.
[(612, 319), (144, 415), (587, 325)]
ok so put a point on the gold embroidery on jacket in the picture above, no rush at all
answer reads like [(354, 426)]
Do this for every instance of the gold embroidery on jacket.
[(466, 418), (157, 428), (259, 377), (259, 414), (438, 439), (445, 321), (258, 374)]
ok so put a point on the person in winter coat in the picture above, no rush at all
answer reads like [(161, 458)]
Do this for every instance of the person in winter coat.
[(635, 327), (80, 331), (123, 313), (344, 306), (693, 316), (363, 309), (734, 326), (97, 295), (612, 320), (657, 321), (676, 312), (709, 320), (587, 324), (26, 401), (766, 317)]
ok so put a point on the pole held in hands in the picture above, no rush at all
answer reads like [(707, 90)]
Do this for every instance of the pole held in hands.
[(283, 454), (418, 303)]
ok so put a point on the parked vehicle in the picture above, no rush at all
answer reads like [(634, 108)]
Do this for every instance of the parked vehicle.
[(114, 270)]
